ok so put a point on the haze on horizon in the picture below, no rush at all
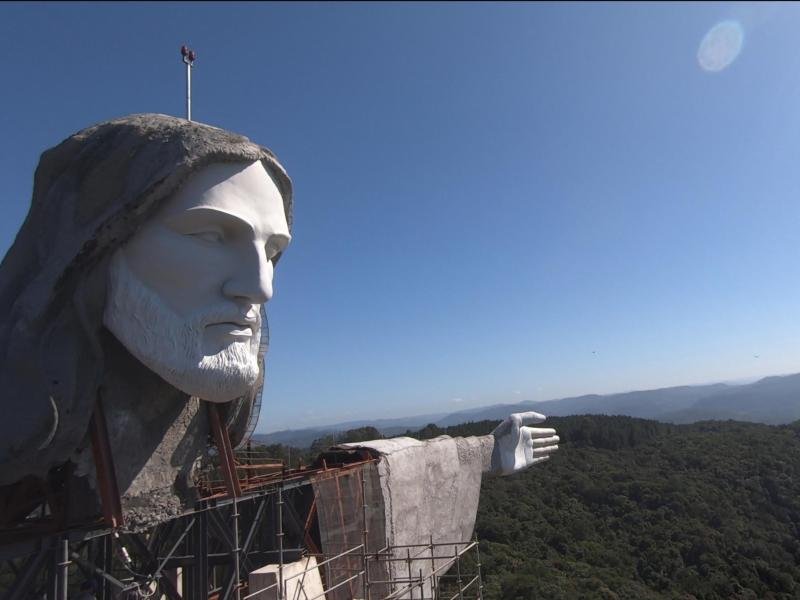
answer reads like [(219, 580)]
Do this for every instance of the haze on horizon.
[(457, 405), (494, 202)]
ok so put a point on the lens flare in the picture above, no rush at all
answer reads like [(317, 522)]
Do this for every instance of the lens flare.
[(720, 46)]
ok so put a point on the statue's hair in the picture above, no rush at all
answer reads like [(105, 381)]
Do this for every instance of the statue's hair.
[(91, 194)]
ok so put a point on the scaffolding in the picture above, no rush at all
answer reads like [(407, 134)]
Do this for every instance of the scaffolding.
[(209, 552), (437, 584)]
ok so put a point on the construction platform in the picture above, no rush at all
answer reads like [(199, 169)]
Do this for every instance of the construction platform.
[(260, 531)]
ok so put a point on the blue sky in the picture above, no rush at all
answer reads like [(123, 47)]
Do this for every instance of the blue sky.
[(494, 202)]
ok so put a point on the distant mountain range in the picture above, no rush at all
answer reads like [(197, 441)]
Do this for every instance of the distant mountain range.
[(772, 400)]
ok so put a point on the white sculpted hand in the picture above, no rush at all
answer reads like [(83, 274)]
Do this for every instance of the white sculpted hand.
[(517, 447)]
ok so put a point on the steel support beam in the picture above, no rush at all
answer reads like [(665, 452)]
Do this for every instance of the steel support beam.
[(226, 459), (104, 463)]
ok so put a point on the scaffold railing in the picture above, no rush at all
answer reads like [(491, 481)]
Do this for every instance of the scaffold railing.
[(437, 584)]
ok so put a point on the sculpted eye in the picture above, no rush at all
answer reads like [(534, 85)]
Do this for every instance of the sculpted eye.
[(208, 236), (275, 246)]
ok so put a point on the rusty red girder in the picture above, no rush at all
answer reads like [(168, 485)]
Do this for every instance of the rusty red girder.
[(226, 460), (104, 463)]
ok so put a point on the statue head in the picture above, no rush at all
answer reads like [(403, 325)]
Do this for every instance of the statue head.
[(185, 292), (155, 231)]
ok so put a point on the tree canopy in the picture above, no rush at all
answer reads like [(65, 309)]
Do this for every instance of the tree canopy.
[(637, 509)]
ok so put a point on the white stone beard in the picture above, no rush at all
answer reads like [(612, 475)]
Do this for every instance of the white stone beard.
[(171, 346)]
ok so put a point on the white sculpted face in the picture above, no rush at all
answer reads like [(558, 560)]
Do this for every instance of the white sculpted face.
[(185, 292)]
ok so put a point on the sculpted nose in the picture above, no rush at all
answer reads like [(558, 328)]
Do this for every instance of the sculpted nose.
[(251, 281)]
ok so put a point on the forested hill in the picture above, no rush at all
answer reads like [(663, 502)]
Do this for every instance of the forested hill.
[(636, 509)]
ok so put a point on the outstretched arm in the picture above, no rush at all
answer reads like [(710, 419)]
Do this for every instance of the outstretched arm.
[(517, 447)]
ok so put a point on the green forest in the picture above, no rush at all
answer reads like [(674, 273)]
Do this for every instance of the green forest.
[(629, 508), (636, 509)]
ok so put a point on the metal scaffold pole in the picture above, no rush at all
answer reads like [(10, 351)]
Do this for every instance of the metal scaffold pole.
[(236, 550), (281, 590), (62, 563), (478, 561), (364, 535)]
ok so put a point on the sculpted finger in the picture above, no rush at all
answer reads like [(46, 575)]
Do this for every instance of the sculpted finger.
[(527, 449), (545, 441), (525, 434), (545, 450), (540, 432), (539, 459), (526, 418)]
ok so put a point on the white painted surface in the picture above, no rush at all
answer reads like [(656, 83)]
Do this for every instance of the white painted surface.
[(185, 291), (518, 447)]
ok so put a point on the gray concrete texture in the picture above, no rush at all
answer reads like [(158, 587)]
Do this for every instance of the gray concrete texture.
[(301, 581), (430, 491)]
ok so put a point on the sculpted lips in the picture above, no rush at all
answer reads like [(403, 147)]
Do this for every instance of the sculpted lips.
[(234, 329), (243, 328)]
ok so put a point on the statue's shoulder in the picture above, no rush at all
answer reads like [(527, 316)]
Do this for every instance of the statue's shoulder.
[(390, 446)]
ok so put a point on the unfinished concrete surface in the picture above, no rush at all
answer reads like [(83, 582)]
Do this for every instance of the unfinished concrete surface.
[(430, 492), (301, 581), (431, 487)]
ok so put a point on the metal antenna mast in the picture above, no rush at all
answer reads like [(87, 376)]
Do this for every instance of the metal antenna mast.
[(189, 57)]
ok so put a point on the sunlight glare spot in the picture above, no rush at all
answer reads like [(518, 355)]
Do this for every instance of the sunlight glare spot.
[(720, 46)]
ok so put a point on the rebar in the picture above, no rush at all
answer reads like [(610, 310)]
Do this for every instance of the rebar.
[(410, 578), (433, 570)]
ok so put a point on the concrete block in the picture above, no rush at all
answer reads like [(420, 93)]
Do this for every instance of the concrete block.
[(301, 578)]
